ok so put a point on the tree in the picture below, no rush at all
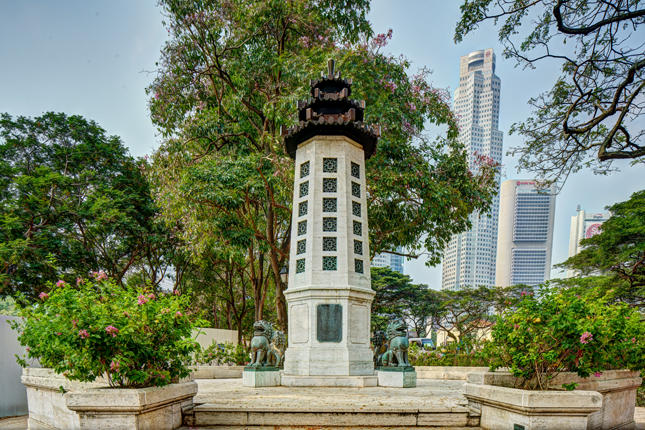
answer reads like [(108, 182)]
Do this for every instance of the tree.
[(588, 118), (397, 297), (615, 258), (462, 313), (73, 201), (228, 80)]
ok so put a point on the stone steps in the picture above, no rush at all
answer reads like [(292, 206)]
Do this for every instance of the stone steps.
[(226, 417)]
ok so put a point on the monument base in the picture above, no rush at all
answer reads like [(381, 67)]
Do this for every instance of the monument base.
[(329, 381), (266, 376), (399, 377)]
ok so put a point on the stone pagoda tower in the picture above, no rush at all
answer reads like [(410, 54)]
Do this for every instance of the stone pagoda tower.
[(329, 295)]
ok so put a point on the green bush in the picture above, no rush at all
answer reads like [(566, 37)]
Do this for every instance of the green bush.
[(562, 332), (466, 353), (218, 354), (135, 338)]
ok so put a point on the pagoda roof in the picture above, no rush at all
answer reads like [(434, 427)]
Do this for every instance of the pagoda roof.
[(330, 112)]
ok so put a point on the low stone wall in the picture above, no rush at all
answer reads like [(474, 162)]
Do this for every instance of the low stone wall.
[(159, 408), (49, 407), (217, 372), (446, 372), (598, 403)]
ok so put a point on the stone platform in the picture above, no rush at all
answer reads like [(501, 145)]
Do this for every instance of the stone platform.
[(226, 404)]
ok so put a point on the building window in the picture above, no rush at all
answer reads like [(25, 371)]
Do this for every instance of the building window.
[(329, 185), (302, 208), (304, 189), (300, 266), (356, 190), (329, 263), (330, 165), (356, 209), (358, 266), (302, 227), (304, 169), (329, 224), (358, 228), (356, 170), (302, 247), (329, 244), (329, 205), (358, 247)]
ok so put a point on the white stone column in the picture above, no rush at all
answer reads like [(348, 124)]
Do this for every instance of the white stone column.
[(329, 265)]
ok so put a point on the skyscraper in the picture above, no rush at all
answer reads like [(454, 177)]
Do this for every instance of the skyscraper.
[(393, 261), (470, 257), (525, 241), (583, 226)]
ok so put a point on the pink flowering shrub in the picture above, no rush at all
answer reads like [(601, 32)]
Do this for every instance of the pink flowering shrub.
[(95, 328), (558, 331)]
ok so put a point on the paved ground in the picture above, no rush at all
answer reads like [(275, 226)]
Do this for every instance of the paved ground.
[(20, 423), (14, 423), (428, 394)]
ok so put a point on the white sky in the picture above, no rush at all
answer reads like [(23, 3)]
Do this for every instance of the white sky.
[(88, 57)]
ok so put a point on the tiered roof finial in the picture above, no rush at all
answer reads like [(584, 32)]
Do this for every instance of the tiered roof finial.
[(330, 112)]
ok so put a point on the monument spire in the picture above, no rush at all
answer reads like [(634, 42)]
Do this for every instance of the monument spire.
[(329, 295)]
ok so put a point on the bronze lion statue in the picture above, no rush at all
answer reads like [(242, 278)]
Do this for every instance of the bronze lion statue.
[(397, 351), (263, 331)]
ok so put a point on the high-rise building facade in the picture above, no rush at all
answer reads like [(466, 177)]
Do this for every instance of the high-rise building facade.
[(393, 261), (583, 226), (470, 257), (525, 240)]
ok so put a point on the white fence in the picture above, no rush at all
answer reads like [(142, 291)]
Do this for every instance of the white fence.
[(13, 395), (206, 335)]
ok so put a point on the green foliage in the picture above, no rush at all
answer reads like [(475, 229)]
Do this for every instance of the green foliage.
[(640, 396), (398, 298), (227, 81), (591, 115), (221, 354), (465, 313), (8, 307), (614, 260), (70, 191), (469, 352), (133, 337), (561, 332)]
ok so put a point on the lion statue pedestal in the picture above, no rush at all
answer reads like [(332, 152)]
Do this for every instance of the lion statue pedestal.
[(267, 355), (393, 367)]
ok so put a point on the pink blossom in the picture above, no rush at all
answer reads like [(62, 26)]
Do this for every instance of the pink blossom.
[(58, 334), (178, 314), (43, 296), (111, 330), (115, 366), (633, 340), (151, 296), (586, 337), (100, 275), (142, 300), (517, 326), (176, 292), (80, 281), (597, 374), (60, 283), (83, 334), (74, 322)]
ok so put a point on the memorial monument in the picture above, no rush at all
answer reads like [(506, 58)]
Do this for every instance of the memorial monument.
[(329, 295)]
